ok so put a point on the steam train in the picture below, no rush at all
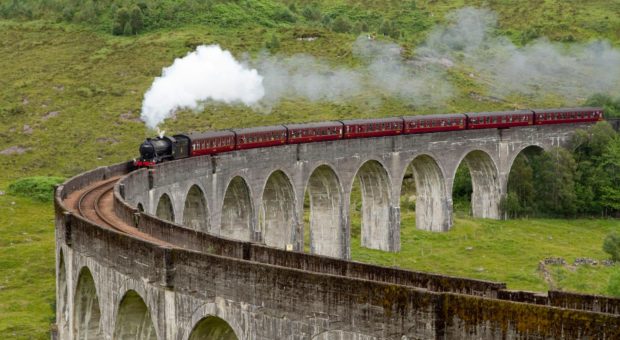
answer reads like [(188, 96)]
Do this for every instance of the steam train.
[(155, 150)]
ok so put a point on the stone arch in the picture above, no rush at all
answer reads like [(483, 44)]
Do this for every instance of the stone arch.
[(326, 232), (140, 207), (237, 211), (432, 206), (133, 319), (277, 213), (486, 195), (375, 186), (212, 327), (527, 151), (165, 209), (63, 313), (519, 184), (195, 212), (87, 314)]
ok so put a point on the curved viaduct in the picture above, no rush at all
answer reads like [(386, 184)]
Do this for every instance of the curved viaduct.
[(222, 271), (258, 195)]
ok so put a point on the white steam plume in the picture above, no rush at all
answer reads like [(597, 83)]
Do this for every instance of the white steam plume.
[(209, 73)]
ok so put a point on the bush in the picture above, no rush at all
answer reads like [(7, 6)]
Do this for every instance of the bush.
[(312, 13), (611, 245), (40, 187), (341, 25), (284, 14)]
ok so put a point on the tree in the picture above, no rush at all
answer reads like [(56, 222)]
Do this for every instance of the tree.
[(555, 177), (521, 194), (589, 148), (610, 166)]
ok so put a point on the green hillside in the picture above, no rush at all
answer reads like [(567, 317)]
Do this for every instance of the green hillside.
[(73, 75)]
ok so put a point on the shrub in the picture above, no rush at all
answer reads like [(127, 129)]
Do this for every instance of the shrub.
[(39, 187), (284, 14), (611, 245), (312, 13), (341, 25)]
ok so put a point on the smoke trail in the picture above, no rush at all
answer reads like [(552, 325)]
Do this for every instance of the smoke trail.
[(468, 40), (209, 73), (572, 71)]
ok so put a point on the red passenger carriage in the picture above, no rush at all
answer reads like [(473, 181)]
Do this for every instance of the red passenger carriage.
[(362, 128), (434, 123), (314, 132), (504, 119), (576, 115), (260, 137), (211, 142)]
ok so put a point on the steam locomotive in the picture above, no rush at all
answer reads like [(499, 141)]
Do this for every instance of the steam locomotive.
[(163, 148)]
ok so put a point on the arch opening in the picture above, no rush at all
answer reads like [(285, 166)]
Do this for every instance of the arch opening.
[(195, 215), (370, 198), (62, 318), (165, 211), (485, 186), (277, 214), (140, 207), (237, 211), (212, 328), (133, 320), (325, 206), (87, 314), (425, 193), (520, 199)]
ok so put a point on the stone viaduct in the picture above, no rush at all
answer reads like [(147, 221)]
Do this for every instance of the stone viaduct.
[(235, 267), (258, 195)]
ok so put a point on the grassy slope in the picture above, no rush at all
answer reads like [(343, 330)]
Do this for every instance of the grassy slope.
[(96, 82), (505, 251)]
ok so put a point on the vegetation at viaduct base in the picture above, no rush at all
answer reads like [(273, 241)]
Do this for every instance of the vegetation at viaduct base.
[(73, 74)]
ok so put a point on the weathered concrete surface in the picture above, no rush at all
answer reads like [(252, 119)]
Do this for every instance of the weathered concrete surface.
[(121, 287), (257, 194)]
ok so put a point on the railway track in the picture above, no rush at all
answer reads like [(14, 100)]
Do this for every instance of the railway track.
[(96, 203)]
